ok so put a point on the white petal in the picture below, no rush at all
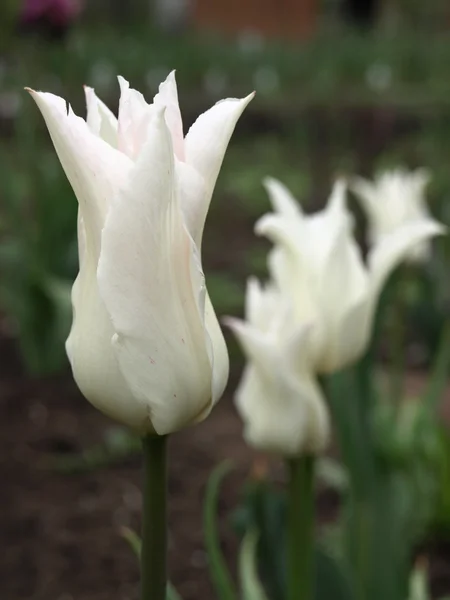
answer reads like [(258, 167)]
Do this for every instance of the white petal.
[(206, 143), (283, 202), (81, 235), (145, 281), (387, 255), (337, 202), (220, 360), (192, 193), (168, 97), (281, 404), (135, 115), (94, 169), (92, 358), (343, 292), (289, 266), (261, 303), (100, 119)]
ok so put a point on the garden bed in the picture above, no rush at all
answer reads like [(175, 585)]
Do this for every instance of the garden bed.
[(61, 532)]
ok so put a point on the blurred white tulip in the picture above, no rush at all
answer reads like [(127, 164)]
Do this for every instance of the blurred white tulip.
[(393, 199), (145, 346), (317, 263), (278, 397), (313, 317)]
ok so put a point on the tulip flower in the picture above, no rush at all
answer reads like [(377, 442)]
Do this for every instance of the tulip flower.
[(393, 199), (318, 265), (278, 398), (145, 345)]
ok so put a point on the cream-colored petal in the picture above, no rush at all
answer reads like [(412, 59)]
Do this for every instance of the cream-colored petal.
[(135, 115), (261, 302), (192, 193), (288, 265), (100, 119), (281, 404), (145, 281), (167, 97), (283, 202), (387, 255), (205, 146), (343, 291), (92, 358), (94, 169), (220, 360)]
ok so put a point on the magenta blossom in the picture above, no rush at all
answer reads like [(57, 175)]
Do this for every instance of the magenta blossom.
[(58, 12)]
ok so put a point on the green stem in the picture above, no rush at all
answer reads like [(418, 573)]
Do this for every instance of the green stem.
[(154, 519), (300, 529)]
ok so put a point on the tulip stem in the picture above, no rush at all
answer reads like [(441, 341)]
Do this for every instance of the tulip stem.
[(300, 529), (154, 519)]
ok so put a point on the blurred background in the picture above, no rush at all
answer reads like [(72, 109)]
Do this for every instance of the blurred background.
[(343, 87)]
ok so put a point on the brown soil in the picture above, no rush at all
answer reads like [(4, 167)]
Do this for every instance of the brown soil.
[(60, 534)]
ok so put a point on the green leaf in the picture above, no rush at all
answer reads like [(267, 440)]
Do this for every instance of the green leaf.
[(251, 586), (220, 575), (331, 579), (172, 593), (418, 585), (133, 540)]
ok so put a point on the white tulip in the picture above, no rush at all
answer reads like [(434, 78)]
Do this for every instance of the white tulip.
[(145, 345), (392, 200), (278, 397), (318, 265)]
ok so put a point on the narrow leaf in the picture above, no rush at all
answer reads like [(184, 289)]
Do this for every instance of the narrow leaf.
[(135, 543), (251, 586), (220, 575)]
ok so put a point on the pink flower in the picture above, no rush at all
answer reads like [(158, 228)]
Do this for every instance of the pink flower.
[(58, 12)]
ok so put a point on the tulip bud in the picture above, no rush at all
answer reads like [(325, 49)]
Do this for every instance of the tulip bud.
[(145, 345), (395, 198)]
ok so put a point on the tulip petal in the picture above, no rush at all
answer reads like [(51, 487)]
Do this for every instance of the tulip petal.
[(135, 115), (192, 193), (345, 278), (281, 404), (205, 146), (94, 169), (167, 97), (145, 281), (220, 360), (92, 358), (283, 202), (388, 253), (288, 264), (100, 119)]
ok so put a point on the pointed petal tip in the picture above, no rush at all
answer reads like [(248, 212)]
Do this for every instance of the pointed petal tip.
[(248, 98), (233, 323), (123, 83), (264, 223), (37, 96), (268, 182)]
